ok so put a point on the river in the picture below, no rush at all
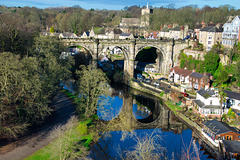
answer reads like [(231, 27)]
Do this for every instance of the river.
[(145, 126)]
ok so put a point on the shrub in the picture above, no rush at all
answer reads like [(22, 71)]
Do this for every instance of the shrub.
[(224, 116), (233, 115), (230, 111), (82, 129), (52, 30), (161, 94)]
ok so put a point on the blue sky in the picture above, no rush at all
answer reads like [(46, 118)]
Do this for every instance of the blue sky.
[(116, 4)]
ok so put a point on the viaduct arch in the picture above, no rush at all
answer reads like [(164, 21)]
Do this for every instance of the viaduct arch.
[(167, 50)]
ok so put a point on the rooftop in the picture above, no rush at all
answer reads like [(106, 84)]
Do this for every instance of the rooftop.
[(206, 93), (219, 127), (180, 71), (232, 146), (199, 103), (233, 95), (196, 75)]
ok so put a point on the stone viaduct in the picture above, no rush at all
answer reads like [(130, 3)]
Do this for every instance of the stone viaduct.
[(167, 51)]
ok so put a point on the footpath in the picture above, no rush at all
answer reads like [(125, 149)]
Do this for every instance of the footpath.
[(27, 145)]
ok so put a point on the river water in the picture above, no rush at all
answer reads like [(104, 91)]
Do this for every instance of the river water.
[(145, 126)]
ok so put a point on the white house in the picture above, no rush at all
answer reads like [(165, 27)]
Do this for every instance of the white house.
[(126, 36), (230, 33), (149, 67), (233, 100), (178, 75), (207, 102), (67, 35)]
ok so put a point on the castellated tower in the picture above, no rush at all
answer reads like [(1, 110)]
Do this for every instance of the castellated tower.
[(145, 16)]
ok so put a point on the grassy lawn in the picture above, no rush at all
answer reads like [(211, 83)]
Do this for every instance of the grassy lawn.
[(47, 152), (173, 107)]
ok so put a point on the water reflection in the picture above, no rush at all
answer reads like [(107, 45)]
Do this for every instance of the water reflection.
[(109, 107), (169, 145), (138, 117), (141, 110)]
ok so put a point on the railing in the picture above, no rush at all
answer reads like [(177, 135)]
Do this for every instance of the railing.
[(210, 139), (230, 36)]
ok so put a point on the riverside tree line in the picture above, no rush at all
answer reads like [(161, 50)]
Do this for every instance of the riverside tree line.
[(31, 69)]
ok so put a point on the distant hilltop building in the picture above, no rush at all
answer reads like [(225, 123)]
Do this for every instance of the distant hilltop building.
[(145, 16), (137, 26)]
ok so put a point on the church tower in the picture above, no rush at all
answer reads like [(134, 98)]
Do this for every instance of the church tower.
[(145, 16)]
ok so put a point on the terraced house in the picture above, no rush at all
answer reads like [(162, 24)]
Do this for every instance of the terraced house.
[(210, 35), (230, 35)]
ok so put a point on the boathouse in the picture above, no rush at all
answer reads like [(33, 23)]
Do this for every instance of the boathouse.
[(217, 131)]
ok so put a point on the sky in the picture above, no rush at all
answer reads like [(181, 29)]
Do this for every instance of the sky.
[(116, 4)]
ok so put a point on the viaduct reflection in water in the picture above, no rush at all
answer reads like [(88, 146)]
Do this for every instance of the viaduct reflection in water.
[(131, 116), (137, 110)]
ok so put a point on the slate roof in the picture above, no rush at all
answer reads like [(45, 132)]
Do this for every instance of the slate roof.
[(198, 27), (212, 107), (196, 75), (206, 93), (219, 127), (87, 33), (233, 95), (216, 29), (212, 29), (117, 31), (165, 29), (206, 28), (199, 103), (125, 34), (177, 28), (232, 146)]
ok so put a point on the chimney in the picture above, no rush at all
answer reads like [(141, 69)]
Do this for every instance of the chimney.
[(182, 27), (203, 24), (165, 25), (170, 26), (175, 24)]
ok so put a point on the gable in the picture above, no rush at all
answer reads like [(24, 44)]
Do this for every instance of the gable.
[(236, 20)]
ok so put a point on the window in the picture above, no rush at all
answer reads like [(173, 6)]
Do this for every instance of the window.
[(228, 137)]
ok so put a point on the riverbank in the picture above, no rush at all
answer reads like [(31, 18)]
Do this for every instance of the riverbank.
[(66, 137), (197, 129), (40, 137)]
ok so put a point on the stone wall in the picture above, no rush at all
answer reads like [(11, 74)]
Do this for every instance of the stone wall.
[(146, 88), (198, 55)]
